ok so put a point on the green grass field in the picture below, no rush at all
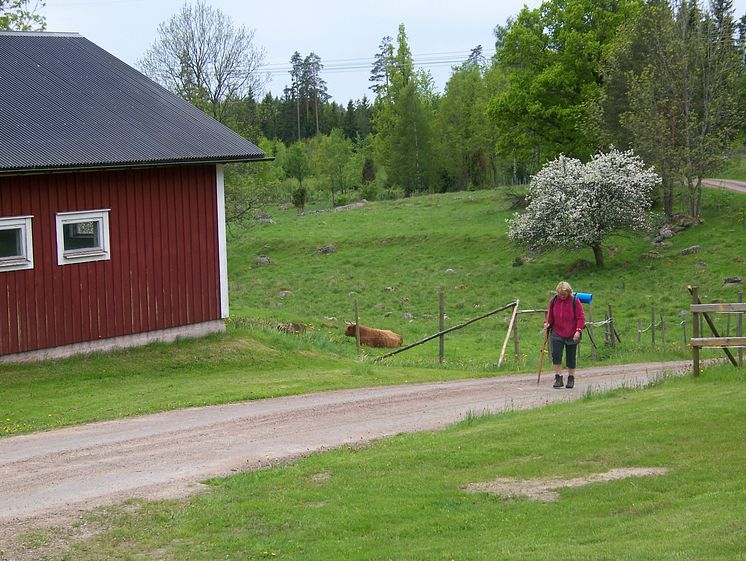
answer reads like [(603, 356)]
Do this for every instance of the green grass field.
[(404, 498), (393, 258), (736, 167)]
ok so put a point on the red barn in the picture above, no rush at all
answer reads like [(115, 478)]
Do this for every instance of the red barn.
[(112, 225)]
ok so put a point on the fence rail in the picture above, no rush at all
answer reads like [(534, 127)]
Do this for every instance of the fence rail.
[(700, 310)]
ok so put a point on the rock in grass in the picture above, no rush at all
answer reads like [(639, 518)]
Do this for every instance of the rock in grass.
[(326, 250), (690, 250)]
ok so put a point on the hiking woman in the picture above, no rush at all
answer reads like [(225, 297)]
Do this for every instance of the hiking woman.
[(566, 320)]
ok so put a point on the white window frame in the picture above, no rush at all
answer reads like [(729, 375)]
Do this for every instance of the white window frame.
[(26, 259), (100, 253)]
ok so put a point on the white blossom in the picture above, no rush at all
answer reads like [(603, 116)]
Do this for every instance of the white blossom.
[(575, 205)]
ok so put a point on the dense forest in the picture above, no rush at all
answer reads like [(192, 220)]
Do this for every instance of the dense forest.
[(666, 78)]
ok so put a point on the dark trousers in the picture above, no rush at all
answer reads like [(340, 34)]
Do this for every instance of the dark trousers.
[(570, 348)]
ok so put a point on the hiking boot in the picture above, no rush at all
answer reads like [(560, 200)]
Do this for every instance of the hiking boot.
[(570, 382), (558, 381)]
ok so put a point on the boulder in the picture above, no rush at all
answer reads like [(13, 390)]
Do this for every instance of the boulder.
[(264, 218), (262, 260), (326, 250), (651, 255), (690, 250)]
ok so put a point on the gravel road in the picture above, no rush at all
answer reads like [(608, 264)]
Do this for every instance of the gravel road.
[(45, 475), (729, 184)]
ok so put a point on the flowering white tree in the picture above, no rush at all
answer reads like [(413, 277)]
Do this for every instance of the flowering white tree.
[(574, 205)]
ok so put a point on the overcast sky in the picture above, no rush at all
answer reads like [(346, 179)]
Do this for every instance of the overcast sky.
[(344, 33)]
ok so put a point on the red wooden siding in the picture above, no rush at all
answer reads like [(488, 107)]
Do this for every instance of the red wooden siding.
[(163, 272)]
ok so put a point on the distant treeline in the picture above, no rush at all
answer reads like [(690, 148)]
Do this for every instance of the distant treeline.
[(666, 78)]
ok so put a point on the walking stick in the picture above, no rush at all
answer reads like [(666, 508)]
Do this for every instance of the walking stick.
[(543, 350)]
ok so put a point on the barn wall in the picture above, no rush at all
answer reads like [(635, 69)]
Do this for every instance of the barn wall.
[(163, 271)]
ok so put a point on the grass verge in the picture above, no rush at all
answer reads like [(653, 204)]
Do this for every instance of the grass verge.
[(404, 498)]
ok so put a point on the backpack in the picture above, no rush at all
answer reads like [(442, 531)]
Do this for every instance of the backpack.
[(574, 306)]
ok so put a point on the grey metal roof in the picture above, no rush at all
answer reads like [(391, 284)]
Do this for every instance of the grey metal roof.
[(65, 103)]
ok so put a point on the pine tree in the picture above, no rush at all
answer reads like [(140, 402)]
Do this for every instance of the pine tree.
[(381, 61), (296, 84), (403, 139)]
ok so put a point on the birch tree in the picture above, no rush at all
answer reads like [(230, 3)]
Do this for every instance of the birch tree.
[(203, 57), (22, 15)]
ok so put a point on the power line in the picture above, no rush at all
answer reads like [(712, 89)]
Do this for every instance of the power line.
[(337, 66)]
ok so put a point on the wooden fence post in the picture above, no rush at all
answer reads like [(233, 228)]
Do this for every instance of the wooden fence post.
[(695, 332), (507, 335), (639, 332), (652, 324), (442, 326), (357, 327), (517, 340), (683, 323), (739, 329), (663, 331), (590, 332)]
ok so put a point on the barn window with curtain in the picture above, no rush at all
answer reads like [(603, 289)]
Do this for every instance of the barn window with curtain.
[(83, 236), (16, 246)]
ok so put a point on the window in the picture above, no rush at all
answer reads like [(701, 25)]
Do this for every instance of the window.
[(82, 236), (16, 244)]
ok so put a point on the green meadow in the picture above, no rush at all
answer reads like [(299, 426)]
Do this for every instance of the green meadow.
[(405, 498), (392, 259)]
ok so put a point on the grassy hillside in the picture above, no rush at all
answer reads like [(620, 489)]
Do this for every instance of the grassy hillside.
[(394, 257), (404, 498), (736, 166)]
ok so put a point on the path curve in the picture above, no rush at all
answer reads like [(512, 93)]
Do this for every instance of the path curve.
[(51, 473), (729, 184)]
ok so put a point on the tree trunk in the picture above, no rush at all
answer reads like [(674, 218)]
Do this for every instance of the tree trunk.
[(297, 113), (668, 197), (316, 108), (598, 253)]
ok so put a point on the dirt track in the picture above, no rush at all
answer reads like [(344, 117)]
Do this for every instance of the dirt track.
[(57, 473), (729, 184)]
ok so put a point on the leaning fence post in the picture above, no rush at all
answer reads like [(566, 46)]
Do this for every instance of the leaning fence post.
[(695, 332), (507, 335), (442, 326), (517, 340), (357, 328)]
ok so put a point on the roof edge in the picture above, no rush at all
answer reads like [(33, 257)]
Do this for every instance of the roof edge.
[(41, 33), (125, 166)]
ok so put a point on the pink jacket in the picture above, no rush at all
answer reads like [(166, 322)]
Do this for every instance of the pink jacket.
[(561, 318)]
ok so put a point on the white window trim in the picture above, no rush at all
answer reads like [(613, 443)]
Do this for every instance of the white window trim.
[(26, 259), (101, 253), (222, 245)]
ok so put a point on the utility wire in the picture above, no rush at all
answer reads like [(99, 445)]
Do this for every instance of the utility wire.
[(337, 66)]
